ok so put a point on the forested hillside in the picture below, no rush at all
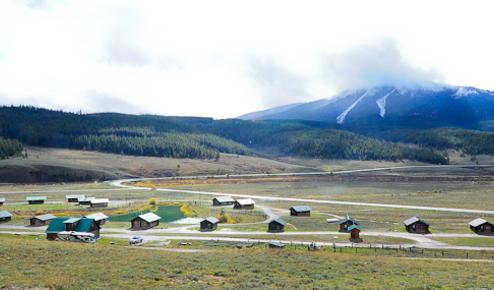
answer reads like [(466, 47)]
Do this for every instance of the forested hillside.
[(9, 148), (205, 138)]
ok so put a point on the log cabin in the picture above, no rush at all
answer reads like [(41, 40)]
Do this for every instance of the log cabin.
[(481, 227), (276, 226), (41, 220), (5, 216), (300, 210), (244, 204), (415, 225), (210, 224), (145, 221), (223, 200), (36, 199)]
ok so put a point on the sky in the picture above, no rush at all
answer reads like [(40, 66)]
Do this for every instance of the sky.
[(222, 59)]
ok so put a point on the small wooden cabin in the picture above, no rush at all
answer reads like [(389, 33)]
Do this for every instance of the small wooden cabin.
[(276, 245), (244, 204), (415, 225), (99, 202), (300, 210), (145, 221), (99, 218), (36, 199), (72, 227), (74, 197), (223, 200), (346, 223), (5, 216), (276, 226), (85, 200), (210, 224), (481, 227), (2, 201), (41, 220), (354, 234)]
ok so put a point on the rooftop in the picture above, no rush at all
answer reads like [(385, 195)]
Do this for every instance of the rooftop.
[(75, 196), (149, 217), (413, 220), (45, 217), (72, 220), (5, 214), (477, 222), (246, 201), (100, 200), (36, 198), (224, 199), (98, 216), (212, 220), (279, 221), (301, 208)]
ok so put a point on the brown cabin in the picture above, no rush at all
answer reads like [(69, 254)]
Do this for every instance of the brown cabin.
[(276, 226), (5, 216), (244, 204), (41, 220), (223, 200), (99, 202), (210, 224), (354, 234), (415, 225), (2, 201), (482, 227), (300, 210), (145, 221)]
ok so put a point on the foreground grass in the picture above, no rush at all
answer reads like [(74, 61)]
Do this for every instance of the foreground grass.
[(39, 263)]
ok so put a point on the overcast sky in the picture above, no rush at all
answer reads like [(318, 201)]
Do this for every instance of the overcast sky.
[(226, 58)]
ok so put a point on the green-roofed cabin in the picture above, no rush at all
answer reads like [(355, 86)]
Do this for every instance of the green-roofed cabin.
[(300, 210), (346, 223), (77, 225), (36, 199)]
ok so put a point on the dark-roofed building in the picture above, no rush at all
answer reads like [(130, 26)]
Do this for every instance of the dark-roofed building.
[(36, 199), (346, 223), (99, 217), (85, 200), (5, 216), (210, 224), (276, 226), (2, 200), (482, 227), (145, 221), (244, 204), (415, 225), (74, 197), (72, 228), (99, 202), (223, 200), (354, 233), (41, 220), (300, 210)]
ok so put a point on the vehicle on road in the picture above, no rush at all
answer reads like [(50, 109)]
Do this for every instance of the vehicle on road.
[(135, 240)]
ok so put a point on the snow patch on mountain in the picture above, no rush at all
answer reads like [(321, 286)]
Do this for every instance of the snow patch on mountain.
[(341, 118), (381, 103), (463, 92)]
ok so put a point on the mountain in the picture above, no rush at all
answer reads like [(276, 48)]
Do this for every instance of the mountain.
[(390, 107)]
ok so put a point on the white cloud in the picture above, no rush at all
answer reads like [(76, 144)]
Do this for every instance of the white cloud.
[(195, 57)]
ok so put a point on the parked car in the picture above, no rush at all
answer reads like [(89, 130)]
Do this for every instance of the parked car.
[(135, 240)]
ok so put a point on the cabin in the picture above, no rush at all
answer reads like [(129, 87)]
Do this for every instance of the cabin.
[(5, 216), (74, 197), (99, 218), (36, 199), (415, 225), (72, 228), (276, 245), (354, 234), (210, 224), (244, 204), (2, 201), (41, 220), (99, 202), (346, 223), (300, 210), (481, 227), (223, 200), (145, 221), (85, 200), (276, 226)]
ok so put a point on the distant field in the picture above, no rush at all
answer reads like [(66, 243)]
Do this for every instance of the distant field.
[(40, 263)]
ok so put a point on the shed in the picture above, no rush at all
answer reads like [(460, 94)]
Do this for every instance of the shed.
[(99, 202), (482, 227), (415, 225), (5, 216), (210, 224), (145, 221), (85, 200), (41, 220), (99, 217), (354, 233), (223, 200), (300, 210), (74, 197), (276, 245), (2, 200), (276, 225), (346, 223), (244, 204), (36, 199)]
